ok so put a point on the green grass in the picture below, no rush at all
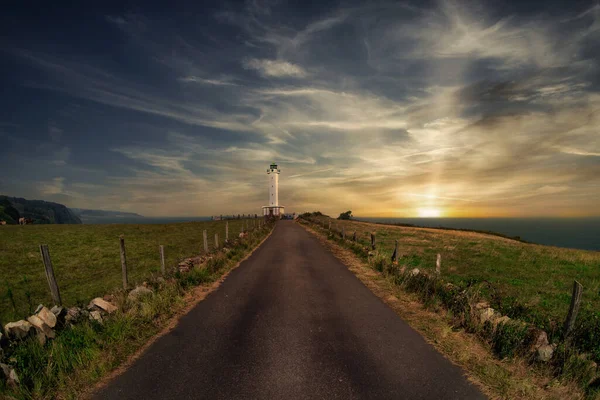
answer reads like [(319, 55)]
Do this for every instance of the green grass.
[(83, 353), (87, 261), (539, 278), (527, 282)]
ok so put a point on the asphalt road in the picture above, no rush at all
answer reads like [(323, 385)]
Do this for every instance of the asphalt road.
[(291, 323)]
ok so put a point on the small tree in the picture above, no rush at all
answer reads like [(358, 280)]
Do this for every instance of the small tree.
[(346, 215)]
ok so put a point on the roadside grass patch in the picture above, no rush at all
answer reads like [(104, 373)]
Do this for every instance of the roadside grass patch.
[(87, 261), (83, 353), (459, 292)]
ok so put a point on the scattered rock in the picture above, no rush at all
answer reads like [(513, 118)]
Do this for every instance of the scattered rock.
[(96, 316), (108, 297), (43, 331), (540, 339), (501, 320), (99, 304), (18, 330), (73, 314), (8, 374), (139, 292), (60, 313), (545, 352), (225, 250), (186, 265), (481, 305), (415, 272), (47, 316), (486, 314), (450, 286)]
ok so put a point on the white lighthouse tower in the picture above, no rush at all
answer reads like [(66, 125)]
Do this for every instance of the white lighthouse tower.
[(273, 209)]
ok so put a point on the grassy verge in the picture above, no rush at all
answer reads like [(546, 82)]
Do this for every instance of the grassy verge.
[(83, 353), (86, 258), (511, 340), (525, 281)]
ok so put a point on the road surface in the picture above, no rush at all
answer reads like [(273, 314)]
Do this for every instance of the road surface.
[(291, 323)]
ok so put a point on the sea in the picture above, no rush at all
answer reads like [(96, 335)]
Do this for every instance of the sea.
[(577, 233), (140, 220)]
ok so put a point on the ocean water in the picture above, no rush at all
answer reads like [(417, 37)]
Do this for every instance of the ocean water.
[(578, 233), (141, 220)]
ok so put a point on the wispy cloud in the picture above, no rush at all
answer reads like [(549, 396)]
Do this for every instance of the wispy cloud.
[(275, 68), (382, 108)]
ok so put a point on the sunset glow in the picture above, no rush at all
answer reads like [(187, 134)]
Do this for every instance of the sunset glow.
[(427, 109), (429, 213)]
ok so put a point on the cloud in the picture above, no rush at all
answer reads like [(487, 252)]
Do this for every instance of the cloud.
[(380, 108), (275, 68), (53, 187), (215, 82)]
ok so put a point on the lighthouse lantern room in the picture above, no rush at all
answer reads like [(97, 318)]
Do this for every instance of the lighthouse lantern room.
[(273, 209)]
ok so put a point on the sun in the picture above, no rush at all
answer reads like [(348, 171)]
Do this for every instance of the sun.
[(429, 212)]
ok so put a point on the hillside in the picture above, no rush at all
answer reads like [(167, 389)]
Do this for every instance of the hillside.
[(40, 211)]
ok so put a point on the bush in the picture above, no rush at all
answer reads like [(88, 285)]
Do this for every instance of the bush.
[(345, 215)]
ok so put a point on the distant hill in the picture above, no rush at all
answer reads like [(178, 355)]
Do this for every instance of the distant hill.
[(40, 211), (100, 216)]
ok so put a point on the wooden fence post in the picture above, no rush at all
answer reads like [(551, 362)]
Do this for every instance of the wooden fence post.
[(205, 240), (574, 309), (123, 262), (226, 231), (329, 227), (438, 264), (354, 237), (343, 233), (395, 254), (372, 240), (161, 250), (50, 274), (216, 240)]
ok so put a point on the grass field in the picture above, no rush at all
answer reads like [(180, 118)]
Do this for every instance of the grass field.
[(86, 258), (526, 281)]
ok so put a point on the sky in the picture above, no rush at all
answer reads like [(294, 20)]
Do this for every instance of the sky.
[(396, 109)]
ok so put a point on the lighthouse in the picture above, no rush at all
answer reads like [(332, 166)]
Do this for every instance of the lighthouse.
[(273, 209)]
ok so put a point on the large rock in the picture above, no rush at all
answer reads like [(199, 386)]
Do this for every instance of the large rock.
[(96, 316), (18, 330), (99, 304), (47, 316), (500, 320), (545, 352), (540, 339), (43, 331), (487, 314), (139, 292), (60, 313), (73, 314), (8, 374)]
